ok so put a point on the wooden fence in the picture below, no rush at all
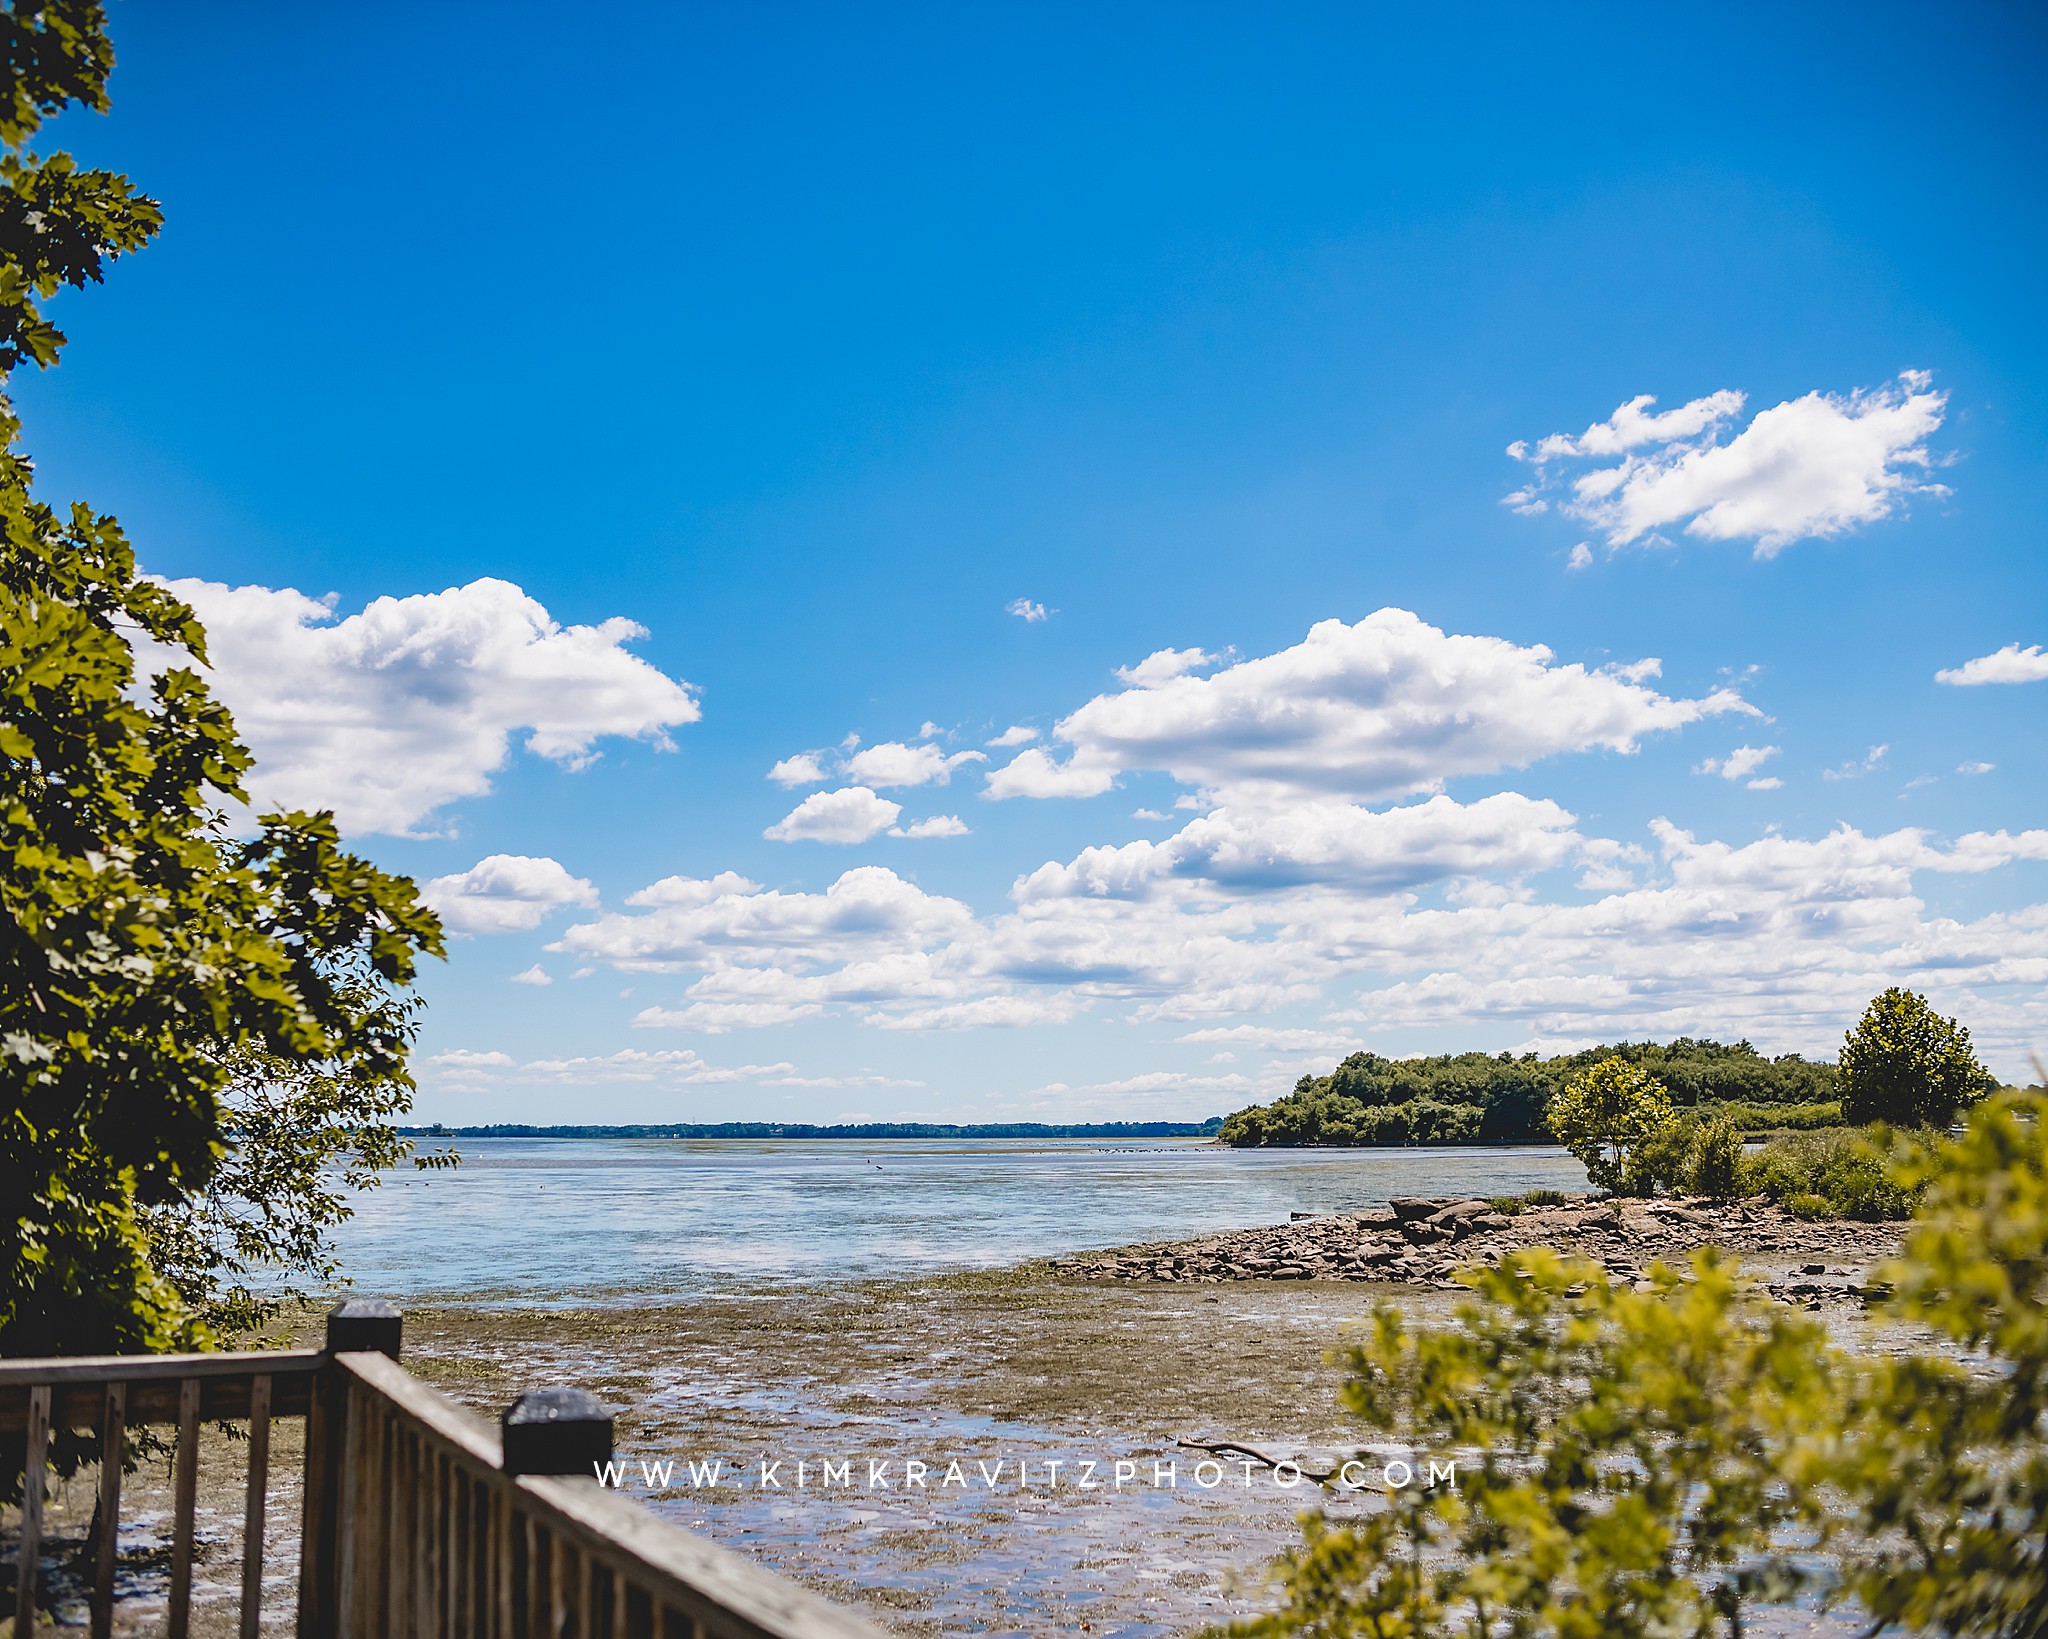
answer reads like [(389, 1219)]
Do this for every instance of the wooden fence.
[(419, 1519)]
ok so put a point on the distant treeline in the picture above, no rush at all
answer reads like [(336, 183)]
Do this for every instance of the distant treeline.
[(866, 1129), (1480, 1098)]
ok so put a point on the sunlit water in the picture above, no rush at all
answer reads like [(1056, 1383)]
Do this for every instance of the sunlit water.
[(564, 1219)]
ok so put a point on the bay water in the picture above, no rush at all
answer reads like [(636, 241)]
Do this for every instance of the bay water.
[(579, 1220)]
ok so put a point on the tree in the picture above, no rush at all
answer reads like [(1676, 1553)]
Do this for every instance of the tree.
[(298, 1138), (147, 941), (1905, 1064), (1604, 1112)]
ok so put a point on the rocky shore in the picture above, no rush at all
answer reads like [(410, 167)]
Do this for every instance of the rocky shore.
[(1421, 1241)]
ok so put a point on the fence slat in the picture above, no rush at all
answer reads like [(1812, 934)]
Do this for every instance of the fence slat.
[(255, 1505), (113, 1454), (185, 1494), (31, 1548)]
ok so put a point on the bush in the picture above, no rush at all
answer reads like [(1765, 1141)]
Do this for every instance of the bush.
[(1660, 1461), (1544, 1197), (1851, 1175)]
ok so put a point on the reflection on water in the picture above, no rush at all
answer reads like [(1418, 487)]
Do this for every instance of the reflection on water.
[(563, 1218)]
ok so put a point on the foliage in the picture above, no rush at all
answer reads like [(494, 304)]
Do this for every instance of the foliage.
[(1629, 1475), (1839, 1174), (1655, 1462), (1905, 1064), (1605, 1115), (145, 943), (299, 1137), (1947, 1467), (1500, 1098)]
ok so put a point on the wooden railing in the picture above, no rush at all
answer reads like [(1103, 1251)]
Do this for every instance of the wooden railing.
[(418, 1518)]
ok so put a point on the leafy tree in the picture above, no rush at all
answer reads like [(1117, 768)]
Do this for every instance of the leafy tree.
[(145, 944), (1606, 1111), (299, 1137), (1905, 1064)]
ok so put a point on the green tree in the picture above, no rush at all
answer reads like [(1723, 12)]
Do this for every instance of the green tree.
[(145, 941), (1604, 1112), (1905, 1064)]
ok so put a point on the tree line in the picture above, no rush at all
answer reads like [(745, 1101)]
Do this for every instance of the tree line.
[(1499, 1098)]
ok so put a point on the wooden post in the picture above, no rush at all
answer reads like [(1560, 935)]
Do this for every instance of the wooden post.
[(31, 1541), (113, 1453), (557, 1431), (367, 1325)]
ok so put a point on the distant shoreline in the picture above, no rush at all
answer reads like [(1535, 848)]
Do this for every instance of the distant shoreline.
[(871, 1129)]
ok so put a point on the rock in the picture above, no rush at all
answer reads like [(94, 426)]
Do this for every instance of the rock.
[(1290, 1271), (1813, 1269), (1412, 1207)]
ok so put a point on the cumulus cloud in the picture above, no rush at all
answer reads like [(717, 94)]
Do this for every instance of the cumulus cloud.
[(1815, 466), (1324, 844), (1975, 768), (1376, 710), (892, 763), (1741, 764), (506, 893), (535, 975), (802, 769), (1162, 666), (1027, 611), (388, 715), (938, 825), (2011, 664), (851, 814), (1271, 1037), (1018, 735)]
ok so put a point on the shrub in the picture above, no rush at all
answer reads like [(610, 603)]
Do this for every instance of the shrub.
[(1543, 1197), (1852, 1174), (1810, 1207)]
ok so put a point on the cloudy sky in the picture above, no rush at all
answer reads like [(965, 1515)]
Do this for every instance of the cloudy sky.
[(1052, 563)]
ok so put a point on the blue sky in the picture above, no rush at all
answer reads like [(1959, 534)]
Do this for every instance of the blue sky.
[(703, 391)]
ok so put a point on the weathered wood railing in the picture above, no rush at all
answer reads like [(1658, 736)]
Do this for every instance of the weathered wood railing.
[(418, 1519)]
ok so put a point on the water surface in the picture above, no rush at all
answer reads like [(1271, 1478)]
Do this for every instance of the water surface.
[(575, 1219)]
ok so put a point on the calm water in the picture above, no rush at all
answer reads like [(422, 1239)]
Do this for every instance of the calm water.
[(567, 1218)]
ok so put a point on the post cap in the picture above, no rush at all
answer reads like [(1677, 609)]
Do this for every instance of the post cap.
[(556, 1431), (365, 1326)]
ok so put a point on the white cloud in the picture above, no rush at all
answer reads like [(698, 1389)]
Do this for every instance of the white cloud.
[(1871, 761), (1812, 467), (1027, 611), (1272, 1038), (390, 714), (892, 763), (1581, 558), (1741, 764), (851, 814), (1034, 773), (1162, 666), (1381, 709), (506, 893), (939, 825), (679, 1067), (1017, 735), (535, 975), (2011, 664), (802, 769), (1975, 768), (1325, 844), (729, 922)]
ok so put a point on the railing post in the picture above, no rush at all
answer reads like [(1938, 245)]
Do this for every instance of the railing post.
[(557, 1431), (360, 1325)]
